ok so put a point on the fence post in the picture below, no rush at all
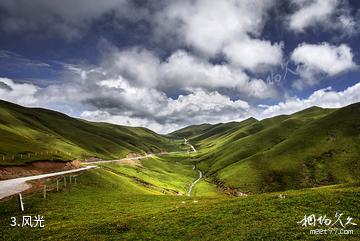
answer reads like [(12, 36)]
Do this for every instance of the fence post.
[(75, 180), (21, 202), (57, 184), (64, 181), (70, 178), (44, 191)]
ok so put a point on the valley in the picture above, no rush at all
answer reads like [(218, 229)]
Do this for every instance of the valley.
[(247, 180)]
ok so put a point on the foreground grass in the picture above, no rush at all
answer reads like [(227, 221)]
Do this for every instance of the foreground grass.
[(106, 206)]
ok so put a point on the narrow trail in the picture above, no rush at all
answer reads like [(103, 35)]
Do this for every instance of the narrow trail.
[(194, 168)]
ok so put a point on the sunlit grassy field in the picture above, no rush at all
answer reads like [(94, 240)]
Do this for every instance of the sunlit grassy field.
[(274, 161), (306, 149), (108, 206)]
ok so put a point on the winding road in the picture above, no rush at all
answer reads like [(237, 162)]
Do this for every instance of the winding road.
[(194, 168), (191, 146), (17, 185), (194, 183), (123, 159)]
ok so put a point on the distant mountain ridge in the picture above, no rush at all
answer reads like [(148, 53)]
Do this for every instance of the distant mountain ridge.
[(312, 147), (309, 148), (26, 132)]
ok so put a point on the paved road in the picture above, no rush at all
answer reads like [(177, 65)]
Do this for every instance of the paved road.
[(191, 146), (194, 183), (123, 159), (17, 185), (194, 168)]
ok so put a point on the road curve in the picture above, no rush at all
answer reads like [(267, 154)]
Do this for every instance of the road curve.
[(17, 185), (194, 183), (191, 146), (13, 186), (200, 173), (123, 159)]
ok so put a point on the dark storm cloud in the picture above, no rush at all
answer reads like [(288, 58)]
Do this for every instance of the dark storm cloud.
[(5, 86), (110, 104), (66, 18)]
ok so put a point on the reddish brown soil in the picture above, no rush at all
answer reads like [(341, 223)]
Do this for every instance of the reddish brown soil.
[(131, 155), (36, 168)]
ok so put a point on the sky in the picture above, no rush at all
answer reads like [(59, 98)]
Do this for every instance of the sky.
[(165, 64)]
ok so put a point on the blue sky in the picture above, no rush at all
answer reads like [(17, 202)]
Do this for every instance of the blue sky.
[(168, 64)]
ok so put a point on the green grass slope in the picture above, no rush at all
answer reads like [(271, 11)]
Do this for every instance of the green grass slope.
[(159, 173), (166, 173), (312, 147), (107, 206), (190, 131), (51, 135)]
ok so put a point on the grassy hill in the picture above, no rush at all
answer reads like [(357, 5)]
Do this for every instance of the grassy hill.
[(312, 147), (144, 199), (104, 205), (190, 130), (29, 134), (309, 148)]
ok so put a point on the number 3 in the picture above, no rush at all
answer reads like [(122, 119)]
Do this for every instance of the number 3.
[(13, 222)]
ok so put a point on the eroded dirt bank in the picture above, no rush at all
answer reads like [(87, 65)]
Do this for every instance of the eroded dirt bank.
[(36, 168)]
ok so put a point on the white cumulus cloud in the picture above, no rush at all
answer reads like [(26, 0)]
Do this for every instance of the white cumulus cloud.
[(254, 54), (21, 93), (326, 98), (208, 25), (317, 59), (327, 14), (181, 70)]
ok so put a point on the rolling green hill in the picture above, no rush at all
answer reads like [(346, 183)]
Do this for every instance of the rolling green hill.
[(191, 130), (309, 148), (104, 205), (145, 199), (29, 134)]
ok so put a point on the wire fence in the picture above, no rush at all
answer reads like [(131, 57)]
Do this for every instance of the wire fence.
[(40, 191), (27, 156)]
